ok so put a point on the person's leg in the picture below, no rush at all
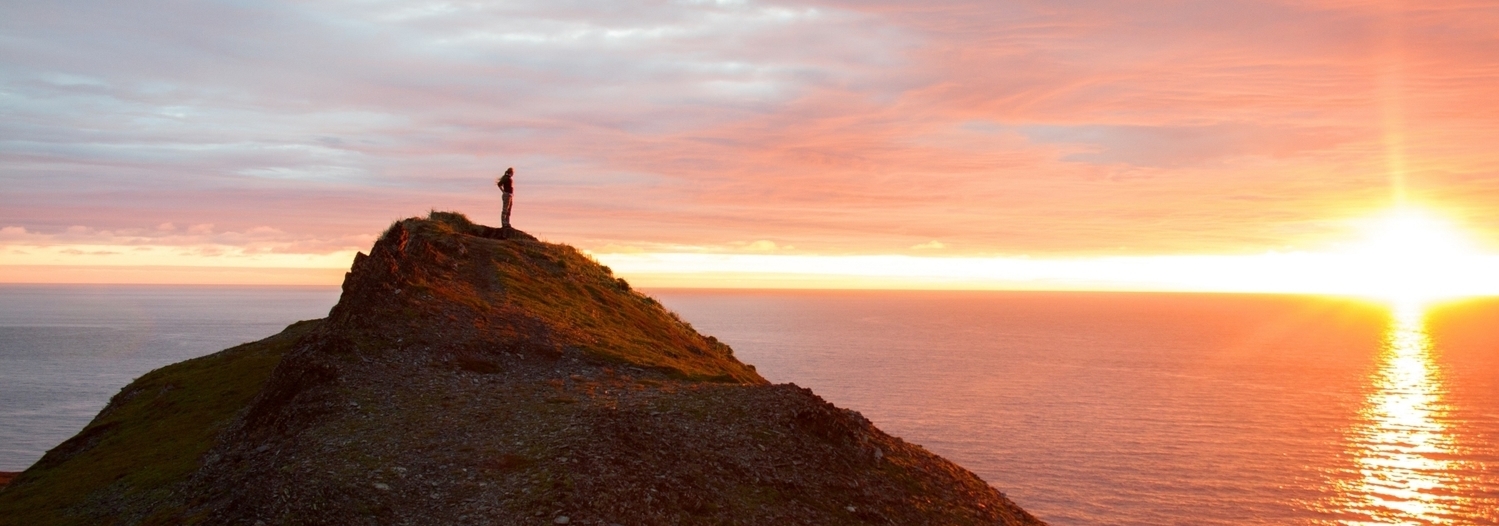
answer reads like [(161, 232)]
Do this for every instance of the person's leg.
[(505, 213)]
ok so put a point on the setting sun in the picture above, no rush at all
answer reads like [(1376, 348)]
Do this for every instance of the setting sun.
[(1409, 234), (1414, 255)]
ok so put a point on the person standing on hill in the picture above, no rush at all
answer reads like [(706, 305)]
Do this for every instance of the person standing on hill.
[(507, 193)]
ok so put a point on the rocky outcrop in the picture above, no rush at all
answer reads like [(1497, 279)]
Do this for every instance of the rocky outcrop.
[(471, 375)]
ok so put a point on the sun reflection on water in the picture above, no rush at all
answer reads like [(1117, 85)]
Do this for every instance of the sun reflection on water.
[(1401, 444)]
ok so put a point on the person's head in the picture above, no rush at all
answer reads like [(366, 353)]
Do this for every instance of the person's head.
[(510, 171)]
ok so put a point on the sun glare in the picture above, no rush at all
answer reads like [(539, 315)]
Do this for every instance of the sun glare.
[(1413, 236), (1411, 256)]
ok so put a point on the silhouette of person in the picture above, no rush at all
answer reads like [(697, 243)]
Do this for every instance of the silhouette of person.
[(507, 193)]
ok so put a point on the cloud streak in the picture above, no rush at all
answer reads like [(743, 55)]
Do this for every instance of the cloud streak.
[(826, 127)]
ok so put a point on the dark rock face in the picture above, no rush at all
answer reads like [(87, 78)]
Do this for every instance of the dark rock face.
[(472, 375)]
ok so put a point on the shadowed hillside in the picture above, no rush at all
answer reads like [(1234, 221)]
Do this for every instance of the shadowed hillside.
[(471, 375)]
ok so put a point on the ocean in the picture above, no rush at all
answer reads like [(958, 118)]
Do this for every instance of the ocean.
[(1085, 408)]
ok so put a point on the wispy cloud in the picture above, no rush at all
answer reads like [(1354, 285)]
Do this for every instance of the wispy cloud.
[(833, 127)]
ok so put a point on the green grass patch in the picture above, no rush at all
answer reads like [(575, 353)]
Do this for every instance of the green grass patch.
[(585, 305)]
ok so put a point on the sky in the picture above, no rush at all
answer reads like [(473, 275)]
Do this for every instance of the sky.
[(958, 144)]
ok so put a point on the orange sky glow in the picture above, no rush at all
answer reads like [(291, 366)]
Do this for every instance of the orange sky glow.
[(1332, 146)]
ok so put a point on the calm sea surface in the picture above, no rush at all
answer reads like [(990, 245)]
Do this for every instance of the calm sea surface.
[(1139, 409)]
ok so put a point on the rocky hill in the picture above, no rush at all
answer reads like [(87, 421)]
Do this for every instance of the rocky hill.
[(471, 375)]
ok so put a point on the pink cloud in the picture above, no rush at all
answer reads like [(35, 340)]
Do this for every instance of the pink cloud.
[(830, 126)]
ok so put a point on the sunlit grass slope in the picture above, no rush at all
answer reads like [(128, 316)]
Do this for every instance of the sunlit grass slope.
[(463, 285)]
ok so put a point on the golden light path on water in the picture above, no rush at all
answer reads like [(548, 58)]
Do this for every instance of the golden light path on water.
[(1401, 443)]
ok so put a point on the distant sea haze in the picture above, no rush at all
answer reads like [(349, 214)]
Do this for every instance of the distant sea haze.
[(1132, 409)]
